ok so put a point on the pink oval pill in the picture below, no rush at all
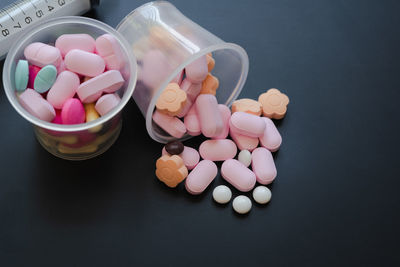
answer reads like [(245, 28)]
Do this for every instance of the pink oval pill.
[(188, 104), (107, 82), (201, 177), (192, 89), (192, 122), (171, 125), (238, 175), (247, 124), (189, 155), (36, 105), (209, 116), (63, 88), (178, 78), (41, 54), (81, 41), (106, 103), (84, 63), (155, 66), (73, 112), (109, 48), (263, 165), (226, 116), (271, 139), (218, 150), (197, 71), (244, 142)]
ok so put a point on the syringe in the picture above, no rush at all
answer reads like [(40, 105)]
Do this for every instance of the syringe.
[(23, 14)]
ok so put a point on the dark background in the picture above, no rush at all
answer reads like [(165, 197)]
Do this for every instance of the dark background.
[(336, 198)]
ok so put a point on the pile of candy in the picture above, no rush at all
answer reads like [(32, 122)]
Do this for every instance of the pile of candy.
[(193, 99), (73, 82)]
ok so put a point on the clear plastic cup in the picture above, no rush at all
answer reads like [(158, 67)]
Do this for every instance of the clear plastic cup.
[(159, 26), (79, 141)]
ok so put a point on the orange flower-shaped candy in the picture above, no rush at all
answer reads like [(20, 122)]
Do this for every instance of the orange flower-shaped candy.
[(274, 103), (171, 170), (171, 100), (210, 62), (247, 105), (210, 85)]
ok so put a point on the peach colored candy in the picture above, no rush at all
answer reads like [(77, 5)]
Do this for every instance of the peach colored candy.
[(201, 177), (271, 138), (41, 54), (63, 88), (210, 85), (247, 124), (73, 112), (238, 175), (189, 155), (81, 41), (36, 105), (171, 125), (226, 116), (192, 89), (197, 71), (218, 150), (170, 170), (244, 142), (210, 62), (274, 104), (109, 49), (84, 63), (171, 100), (192, 122), (185, 109), (209, 116), (107, 82), (247, 105), (106, 103), (263, 165)]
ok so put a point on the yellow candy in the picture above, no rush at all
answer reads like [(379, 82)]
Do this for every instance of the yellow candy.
[(91, 115)]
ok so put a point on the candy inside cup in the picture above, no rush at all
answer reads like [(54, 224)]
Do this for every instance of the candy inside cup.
[(78, 141)]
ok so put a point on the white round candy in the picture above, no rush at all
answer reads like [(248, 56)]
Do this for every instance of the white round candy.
[(241, 204), (261, 194), (222, 194), (245, 157)]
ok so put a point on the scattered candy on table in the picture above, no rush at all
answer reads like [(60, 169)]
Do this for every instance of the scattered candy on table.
[(248, 123), (49, 78)]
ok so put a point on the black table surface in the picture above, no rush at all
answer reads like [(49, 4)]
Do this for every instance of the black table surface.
[(336, 198)]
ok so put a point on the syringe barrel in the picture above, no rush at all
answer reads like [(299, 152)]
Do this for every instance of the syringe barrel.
[(22, 15)]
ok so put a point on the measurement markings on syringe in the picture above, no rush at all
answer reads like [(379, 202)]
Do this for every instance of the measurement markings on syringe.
[(22, 13)]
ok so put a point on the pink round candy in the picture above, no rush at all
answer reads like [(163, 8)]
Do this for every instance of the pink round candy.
[(200, 177), (218, 150), (81, 41), (73, 112), (36, 105), (197, 71), (226, 116), (33, 71), (108, 47), (41, 54), (209, 116), (63, 88), (107, 82), (238, 175), (263, 165), (172, 125), (189, 155), (106, 103), (57, 119), (247, 124), (84, 63), (271, 139)]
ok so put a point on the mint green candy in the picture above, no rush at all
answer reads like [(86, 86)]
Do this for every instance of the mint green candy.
[(21, 75), (45, 79)]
